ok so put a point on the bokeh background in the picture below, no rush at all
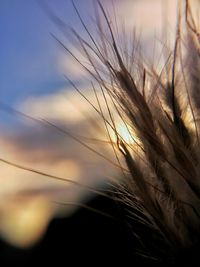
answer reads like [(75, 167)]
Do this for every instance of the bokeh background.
[(33, 89)]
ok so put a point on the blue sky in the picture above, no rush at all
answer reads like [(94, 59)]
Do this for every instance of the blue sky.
[(31, 79), (29, 55)]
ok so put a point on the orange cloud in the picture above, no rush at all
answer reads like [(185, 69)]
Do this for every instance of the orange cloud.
[(26, 194)]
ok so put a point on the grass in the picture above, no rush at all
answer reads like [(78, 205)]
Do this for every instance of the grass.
[(160, 187)]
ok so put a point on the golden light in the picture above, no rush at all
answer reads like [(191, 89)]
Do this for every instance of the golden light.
[(124, 132), (24, 220)]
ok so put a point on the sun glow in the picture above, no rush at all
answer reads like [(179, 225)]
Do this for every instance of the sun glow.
[(124, 133)]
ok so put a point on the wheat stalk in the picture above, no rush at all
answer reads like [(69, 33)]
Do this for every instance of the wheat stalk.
[(161, 189)]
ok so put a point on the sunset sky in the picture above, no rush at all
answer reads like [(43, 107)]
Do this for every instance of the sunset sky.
[(31, 80), (30, 58)]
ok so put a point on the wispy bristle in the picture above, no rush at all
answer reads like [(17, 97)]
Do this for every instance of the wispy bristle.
[(162, 189)]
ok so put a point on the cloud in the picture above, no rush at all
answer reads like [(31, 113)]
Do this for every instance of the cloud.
[(68, 65), (26, 195), (24, 219), (152, 19), (45, 148), (149, 16), (66, 106), (41, 147)]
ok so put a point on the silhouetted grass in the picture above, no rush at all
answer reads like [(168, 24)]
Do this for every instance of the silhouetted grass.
[(160, 188), (160, 168)]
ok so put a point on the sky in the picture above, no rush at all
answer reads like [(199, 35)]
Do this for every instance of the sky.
[(28, 52), (30, 57), (31, 80)]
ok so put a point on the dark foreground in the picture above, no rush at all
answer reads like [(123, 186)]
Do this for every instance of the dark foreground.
[(84, 239)]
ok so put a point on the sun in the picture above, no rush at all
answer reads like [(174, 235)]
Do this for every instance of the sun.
[(123, 132)]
